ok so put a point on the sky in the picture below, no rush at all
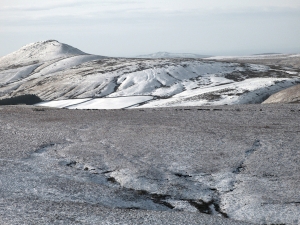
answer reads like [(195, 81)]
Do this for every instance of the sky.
[(135, 27)]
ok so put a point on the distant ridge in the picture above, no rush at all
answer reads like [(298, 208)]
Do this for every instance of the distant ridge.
[(268, 54), (171, 55)]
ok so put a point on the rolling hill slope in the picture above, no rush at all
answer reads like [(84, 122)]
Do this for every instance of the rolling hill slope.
[(55, 71)]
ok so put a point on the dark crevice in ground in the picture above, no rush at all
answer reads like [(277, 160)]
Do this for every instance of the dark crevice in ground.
[(182, 175), (211, 207), (203, 207), (241, 167), (71, 164), (218, 209), (44, 148), (156, 198)]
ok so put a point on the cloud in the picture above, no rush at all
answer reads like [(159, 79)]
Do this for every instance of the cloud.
[(133, 8), (44, 6), (154, 25), (32, 5)]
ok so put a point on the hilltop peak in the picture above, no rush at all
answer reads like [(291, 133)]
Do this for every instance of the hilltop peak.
[(39, 52)]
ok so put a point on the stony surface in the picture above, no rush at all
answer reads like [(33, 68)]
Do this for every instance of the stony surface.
[(150, 166)]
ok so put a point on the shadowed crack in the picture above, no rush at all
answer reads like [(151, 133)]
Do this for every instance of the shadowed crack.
[(44, 148), (255, 146), (203, 207), (71, 164), (156, 198), (182, 175), (248, 153), (212, 207), (218, 209)]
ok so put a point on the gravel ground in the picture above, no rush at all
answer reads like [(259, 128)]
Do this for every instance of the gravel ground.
[(194, 165)]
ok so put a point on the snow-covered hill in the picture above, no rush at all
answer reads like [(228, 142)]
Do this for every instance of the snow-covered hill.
[(158, 55), (78, 80), (38, 52), (39, 59)]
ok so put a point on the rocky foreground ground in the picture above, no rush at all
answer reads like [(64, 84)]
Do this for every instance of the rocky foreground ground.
[(240, 164)]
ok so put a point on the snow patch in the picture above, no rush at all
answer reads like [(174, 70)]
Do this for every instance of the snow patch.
[(111, 103), (62, 103)]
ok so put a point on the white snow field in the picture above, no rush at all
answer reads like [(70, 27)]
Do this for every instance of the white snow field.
[(63, 103), (112, 103), (100, 103), (55, 71)]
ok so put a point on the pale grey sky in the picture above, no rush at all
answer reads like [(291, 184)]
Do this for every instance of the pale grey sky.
[(133, 27)]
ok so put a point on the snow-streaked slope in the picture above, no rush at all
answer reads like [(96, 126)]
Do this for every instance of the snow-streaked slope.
[(172, 55), (66, 63), (172, 82), (168, 81), (249, 91), (11, 75)]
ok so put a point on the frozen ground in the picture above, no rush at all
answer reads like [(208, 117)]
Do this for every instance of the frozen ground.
[(55, 71), (191, 165)]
